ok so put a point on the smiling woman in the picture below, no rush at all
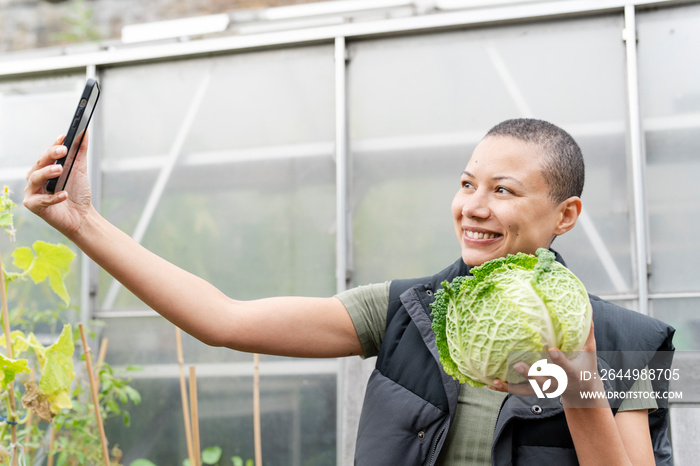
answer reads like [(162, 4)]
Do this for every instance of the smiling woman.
[(508, 203), (505, 204)]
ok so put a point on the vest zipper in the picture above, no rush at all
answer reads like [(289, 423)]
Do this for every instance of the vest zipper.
[(435, 445)]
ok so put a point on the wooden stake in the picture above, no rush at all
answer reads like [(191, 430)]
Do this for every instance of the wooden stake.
[(8, 342), (257, 436), (101, 357), (195, 418), (28, 441), (95, 398), (52, 440), (183, 395)]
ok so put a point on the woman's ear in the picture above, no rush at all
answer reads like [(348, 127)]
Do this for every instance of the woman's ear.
[(569, 210)]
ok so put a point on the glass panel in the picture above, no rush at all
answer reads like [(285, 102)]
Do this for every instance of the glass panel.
[(669, 78), (250, 203), (249, 206), (33, 112), (420, 104), (297, 399), (682, 314), (262, 99), (297, 420)]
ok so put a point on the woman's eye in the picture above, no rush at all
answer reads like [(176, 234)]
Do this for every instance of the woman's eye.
[(503, 190), (466, 184)]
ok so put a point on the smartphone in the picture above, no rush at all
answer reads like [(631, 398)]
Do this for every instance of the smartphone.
[(75, 133)]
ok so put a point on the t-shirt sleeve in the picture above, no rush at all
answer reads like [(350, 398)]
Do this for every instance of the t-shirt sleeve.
[(639, 396), (367, 306)]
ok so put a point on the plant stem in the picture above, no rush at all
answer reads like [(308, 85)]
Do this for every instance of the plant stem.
[(11, 416), (95, 398), (4, 429), (183, 395)]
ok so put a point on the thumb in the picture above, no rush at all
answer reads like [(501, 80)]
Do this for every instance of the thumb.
[(40, 202)]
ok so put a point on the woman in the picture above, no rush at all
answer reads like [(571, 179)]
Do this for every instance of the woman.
[(520, 189)]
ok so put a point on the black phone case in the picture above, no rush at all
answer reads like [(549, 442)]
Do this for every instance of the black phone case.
[(74, 138)]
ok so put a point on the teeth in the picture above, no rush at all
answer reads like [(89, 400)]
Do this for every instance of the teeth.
[(479, 235)]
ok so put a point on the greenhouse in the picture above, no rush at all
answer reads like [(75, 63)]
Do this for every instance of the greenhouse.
[(304, 150)]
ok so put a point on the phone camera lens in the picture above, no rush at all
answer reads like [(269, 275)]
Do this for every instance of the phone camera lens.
[(83, 102)]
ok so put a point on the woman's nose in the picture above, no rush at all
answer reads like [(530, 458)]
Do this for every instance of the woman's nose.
[(475, 205)]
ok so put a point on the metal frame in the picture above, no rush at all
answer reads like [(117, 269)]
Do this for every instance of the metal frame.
[(115, 55), (343, 242), (642, 259)]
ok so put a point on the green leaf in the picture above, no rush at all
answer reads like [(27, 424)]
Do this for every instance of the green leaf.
[(133, 394), (113, 406), (11, 367), (237, 461), (6, 219), (23, 258), (107, 384), (51, 261), (19, 342), (38, 348), (58, 372), (142, 462), (211, 455)]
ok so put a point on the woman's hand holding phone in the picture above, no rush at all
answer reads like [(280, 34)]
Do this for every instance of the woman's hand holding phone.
[(64, 210)]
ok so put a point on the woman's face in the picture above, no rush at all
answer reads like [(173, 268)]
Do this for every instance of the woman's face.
[(503, 205)]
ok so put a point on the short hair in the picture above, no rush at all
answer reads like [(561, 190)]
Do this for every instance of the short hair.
[(563, 168)]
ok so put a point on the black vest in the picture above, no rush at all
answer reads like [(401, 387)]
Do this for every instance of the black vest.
[(410, 401)]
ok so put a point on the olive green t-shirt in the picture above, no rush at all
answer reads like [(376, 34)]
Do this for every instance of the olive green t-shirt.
[(470, 438)]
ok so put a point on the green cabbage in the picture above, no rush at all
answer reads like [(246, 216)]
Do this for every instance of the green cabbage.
[(510, 307)]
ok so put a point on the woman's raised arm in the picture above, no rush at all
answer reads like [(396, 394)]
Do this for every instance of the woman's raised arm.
[(290, 326)]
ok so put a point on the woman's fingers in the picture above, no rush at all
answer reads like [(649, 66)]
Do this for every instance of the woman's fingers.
[(585, 360), (37, 178), (52, 153), (36, 198), (499, 386), (48, 158)]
